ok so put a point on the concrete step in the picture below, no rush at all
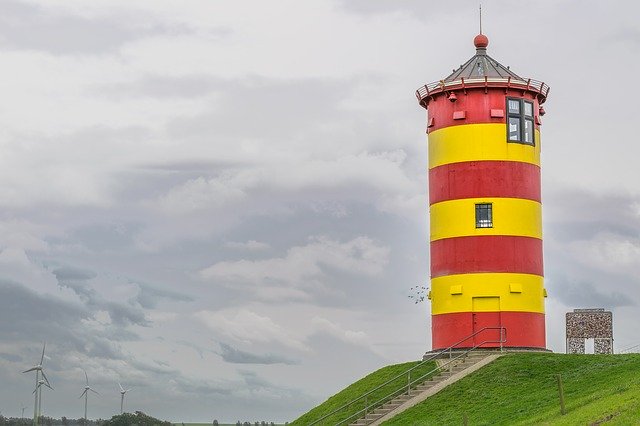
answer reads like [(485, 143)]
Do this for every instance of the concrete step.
[(372, 417)]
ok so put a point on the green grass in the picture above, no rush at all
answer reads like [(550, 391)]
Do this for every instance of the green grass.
[(360, 387), (521, 389)]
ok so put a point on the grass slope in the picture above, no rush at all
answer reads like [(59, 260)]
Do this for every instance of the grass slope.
[(360, 387), (521, 389)]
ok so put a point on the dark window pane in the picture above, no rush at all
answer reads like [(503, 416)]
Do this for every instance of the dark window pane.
[(514, 128), (528, 109), (528, 131), (514, 106), (484, 216)]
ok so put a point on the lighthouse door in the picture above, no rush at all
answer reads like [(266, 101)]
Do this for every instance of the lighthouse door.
[(486, 313)]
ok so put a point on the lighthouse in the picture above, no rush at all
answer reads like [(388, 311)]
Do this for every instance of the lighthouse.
[(483, 125)]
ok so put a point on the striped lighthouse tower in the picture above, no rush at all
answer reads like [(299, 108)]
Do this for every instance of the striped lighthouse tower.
[(483, 125)]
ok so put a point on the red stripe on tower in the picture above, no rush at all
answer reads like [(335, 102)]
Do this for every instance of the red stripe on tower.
[(523, 329), (486, 253), (474, 179)]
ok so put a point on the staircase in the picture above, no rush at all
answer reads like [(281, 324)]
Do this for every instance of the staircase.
[(455, 371), (454, 363)]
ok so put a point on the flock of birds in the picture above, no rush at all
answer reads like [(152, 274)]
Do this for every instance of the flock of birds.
[(40, 382)]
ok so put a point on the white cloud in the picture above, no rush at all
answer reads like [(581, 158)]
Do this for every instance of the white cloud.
[(336, 330), (246, 326), (302, 266)]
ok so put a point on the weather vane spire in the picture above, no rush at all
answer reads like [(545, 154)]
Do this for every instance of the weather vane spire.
[(480, 18)]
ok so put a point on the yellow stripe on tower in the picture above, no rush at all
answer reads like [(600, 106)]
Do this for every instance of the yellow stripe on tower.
[(511, 216), (478, 142), (517, 292)]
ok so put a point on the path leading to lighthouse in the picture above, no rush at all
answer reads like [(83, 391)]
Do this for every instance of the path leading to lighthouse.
[(471, 363)]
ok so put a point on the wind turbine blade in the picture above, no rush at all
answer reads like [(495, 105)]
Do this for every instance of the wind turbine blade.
[(128, 390), (42, 357), (94, 391), (31, 369), (48, 385), (45, 378), (86, 377), (121, 389), (85, 391)]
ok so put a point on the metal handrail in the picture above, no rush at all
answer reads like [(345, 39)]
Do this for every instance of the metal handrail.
[(464, 83), (430, 358), (420, 379)]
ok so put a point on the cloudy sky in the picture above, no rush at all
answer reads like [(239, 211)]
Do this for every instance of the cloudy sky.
[(222, 204)]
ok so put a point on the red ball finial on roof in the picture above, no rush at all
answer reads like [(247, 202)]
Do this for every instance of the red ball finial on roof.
[(481, 41)]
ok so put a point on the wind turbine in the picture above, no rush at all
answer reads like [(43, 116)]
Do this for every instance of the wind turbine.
[(38, 369), (23, 408), (122, 393), (87, 388), (38, 389)]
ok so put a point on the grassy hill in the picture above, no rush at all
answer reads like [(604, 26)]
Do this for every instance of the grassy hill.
[(360, 387), (521, 389)]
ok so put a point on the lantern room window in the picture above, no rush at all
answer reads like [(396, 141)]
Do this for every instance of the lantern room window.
[(520, 128), (484, 215)]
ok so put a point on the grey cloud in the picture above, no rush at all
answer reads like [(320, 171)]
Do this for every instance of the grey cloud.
[(199, 350), (105, 237), (123, 314), (236, 356), (293, 101), (586, 294), (10, 357), (155, 367), (419, 9), (579, 214), (148, 296), (77, 280), (28, 316), (73, 274), (163, 87), (26, 26)]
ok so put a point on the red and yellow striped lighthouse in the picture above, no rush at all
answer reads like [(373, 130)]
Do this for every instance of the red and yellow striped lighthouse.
[(483, 126)]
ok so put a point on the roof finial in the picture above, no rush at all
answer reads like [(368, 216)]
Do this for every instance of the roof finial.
[(481, 41)]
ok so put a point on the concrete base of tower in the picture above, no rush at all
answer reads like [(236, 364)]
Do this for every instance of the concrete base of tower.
[(482, 329), (440, 354)]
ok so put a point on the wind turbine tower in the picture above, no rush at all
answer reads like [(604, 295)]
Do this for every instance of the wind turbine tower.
[(85, 393), (38, 390), (122, 393), (38, 369)]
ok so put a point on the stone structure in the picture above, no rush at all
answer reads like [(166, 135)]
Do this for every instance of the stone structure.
[(596, 324)]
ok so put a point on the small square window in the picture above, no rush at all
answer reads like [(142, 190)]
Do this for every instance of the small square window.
[(484, 215)]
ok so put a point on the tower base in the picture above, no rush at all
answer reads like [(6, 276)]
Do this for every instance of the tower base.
[(454, 352)]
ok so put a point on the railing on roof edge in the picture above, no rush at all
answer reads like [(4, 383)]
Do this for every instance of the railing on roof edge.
[(410, 383), (441, 86)]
